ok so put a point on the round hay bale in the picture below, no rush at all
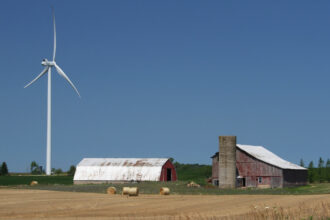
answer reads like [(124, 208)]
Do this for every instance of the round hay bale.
[(164, 191), (133, 191), (193, 184), (125, 191), (33, 183), (111, 190)]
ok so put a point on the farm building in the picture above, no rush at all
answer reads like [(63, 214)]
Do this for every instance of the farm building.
[(238, 165), (105, 170)]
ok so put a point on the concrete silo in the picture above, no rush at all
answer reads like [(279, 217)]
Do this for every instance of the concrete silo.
[(227, 161)]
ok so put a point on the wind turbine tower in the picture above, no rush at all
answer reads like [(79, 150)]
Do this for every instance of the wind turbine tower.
[(48, 66)]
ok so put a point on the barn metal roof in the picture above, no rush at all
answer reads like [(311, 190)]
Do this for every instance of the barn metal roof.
[(265, 155), (120, 169)]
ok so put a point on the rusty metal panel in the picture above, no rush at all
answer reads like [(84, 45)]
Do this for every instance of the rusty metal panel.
[(120, 169)]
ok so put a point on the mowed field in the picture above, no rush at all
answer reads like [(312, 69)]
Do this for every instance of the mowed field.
[(44, 204)]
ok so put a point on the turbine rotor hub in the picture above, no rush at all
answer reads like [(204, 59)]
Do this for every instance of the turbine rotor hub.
[(46, 62)]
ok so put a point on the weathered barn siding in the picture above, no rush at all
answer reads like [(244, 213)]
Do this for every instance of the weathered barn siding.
[(215, 169), (258, 167), (294, 177), (168, 166), (251, 168)]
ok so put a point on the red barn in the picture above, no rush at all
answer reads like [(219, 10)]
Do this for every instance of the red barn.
[(258, 167), (168, 172)]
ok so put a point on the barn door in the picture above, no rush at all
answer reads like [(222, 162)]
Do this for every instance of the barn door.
[(169, 174)]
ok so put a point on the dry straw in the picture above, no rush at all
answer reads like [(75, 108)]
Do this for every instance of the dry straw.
[(164, 191), (310, 210), (111, 190), (130, 191), (33, 183), (125, 191), (133, 191), (193, 184)]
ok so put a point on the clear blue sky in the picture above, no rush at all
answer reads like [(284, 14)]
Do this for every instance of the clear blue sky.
[(165, 79)]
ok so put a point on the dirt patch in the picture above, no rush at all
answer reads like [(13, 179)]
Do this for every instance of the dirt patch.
[(40, 204)]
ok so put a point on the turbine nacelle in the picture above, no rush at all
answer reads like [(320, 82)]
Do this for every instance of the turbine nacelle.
[(46, 62)]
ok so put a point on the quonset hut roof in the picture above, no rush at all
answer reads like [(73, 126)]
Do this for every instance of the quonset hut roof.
[(120, 169), (266, 156)]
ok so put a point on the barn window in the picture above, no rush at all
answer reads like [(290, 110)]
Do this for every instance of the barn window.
[(259, 179)]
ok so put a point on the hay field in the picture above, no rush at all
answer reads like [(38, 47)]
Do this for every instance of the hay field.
[(43, 204), (177, 187)]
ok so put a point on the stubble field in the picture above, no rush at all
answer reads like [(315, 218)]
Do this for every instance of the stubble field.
[(43, 204)]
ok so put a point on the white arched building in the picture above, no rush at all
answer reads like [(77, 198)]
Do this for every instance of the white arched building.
[(104, 170)]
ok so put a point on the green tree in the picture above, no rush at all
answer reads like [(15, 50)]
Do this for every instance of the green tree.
[(327, 167), (311, 172), (58, 171), (35, 168), (193, 172), (321, 163), (321, 170), (72, 170), (4, 169), (302, 164)]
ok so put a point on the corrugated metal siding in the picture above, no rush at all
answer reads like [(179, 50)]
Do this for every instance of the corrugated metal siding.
[(119, 169)]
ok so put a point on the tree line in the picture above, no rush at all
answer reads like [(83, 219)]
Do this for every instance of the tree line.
[(319, 173), (192, 172), (36, 169)]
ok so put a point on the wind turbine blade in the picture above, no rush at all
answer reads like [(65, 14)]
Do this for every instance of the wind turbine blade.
[(40, 75), (60, 71), (54, 52)]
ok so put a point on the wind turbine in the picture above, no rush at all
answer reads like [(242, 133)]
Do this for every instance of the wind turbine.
[(48, 66)]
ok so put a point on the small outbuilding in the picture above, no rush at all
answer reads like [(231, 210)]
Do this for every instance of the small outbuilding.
[(107, 170)]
